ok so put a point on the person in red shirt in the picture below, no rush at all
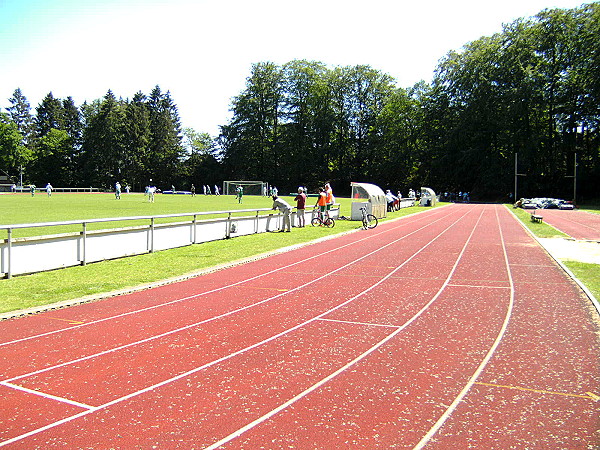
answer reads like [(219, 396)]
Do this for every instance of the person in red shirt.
[(300, 206)]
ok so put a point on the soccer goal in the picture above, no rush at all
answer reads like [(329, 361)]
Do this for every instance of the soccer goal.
[(250, 187)]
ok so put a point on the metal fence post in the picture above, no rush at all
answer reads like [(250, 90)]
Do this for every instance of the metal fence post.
[(194, 232), (83, 242), (152, 235), (8, 249)]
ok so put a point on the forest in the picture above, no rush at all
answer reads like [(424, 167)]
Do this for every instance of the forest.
[(531, 90)]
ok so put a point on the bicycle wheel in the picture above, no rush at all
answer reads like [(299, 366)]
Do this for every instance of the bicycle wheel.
[(329, 222), (316, 222), (371, 221)]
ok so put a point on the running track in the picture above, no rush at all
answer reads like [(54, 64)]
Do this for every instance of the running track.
[(431, 331), (577, 224)]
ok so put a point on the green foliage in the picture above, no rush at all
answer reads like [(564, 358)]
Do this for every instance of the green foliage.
[(531, 89)]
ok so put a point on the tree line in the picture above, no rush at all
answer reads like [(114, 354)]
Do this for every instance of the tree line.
[(531, 90)]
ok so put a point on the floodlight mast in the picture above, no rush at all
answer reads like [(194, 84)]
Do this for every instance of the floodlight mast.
[(574, 176), (517, 174)]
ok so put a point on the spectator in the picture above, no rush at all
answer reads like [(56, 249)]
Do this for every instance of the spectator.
[(322, 202), (285, 208), (300, 207), (329, 197)]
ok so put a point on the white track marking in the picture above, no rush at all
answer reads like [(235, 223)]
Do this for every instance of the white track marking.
[(241, 351), (160, 305), (367, 324), (45, 395), (213, 318), (359, 358), (442, 420)]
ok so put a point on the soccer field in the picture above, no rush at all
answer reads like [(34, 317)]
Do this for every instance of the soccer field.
[(23, 208)]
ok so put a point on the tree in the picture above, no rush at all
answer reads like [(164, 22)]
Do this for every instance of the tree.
[(165, 148), (20, 114), (13, 154)]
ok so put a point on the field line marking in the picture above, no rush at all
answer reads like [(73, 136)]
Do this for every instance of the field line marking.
[(587, 395), (359, 358), (93, 322), (46, 395), (442, 420), (220, 316), (231, 355)]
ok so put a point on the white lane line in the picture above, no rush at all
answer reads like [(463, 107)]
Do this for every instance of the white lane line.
[(367, 324), (171, 302), (442, 420), (323, 381), (241, 351), (213, 318), (48, 396)]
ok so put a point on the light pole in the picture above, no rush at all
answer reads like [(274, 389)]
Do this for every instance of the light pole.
[(517, 174)]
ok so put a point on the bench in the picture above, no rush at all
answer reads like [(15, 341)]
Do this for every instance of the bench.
[(536, 218)]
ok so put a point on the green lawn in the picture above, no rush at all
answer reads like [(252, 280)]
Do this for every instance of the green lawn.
[(44, 288)]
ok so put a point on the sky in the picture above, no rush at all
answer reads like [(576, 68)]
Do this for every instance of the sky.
[(202, 51)]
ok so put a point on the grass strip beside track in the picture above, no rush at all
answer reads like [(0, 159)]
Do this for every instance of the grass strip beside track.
[(588, 274), (47, 288)]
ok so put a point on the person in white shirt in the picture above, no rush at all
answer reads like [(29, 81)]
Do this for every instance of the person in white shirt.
[(285, 208)]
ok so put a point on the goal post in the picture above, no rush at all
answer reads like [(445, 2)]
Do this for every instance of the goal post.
[(250, 187)]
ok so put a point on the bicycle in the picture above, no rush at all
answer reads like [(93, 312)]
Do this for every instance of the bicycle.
[(369, 221), (319, 221)]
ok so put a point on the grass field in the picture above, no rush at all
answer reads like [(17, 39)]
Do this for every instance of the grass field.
[(70, 283)]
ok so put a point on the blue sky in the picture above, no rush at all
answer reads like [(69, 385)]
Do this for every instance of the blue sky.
[(202, 51)]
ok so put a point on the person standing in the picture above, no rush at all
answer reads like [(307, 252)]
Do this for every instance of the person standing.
[(239, 193), (193, 190), (49, 190), (322, 203), (285, 209), (32, 189), (118, 190), (329, 197), (300, 207)]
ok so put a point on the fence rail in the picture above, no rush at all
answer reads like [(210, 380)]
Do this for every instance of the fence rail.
[(40, 253)]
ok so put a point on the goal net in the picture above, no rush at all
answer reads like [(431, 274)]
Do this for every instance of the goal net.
[(250, 187)]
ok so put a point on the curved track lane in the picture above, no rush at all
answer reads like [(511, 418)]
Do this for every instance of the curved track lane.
[(425, 332)]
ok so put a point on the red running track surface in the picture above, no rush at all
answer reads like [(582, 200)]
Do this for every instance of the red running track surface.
[(577, 224), (430, 331)]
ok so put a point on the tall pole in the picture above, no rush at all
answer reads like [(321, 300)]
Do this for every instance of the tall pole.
[(516, 156), (575, 180)]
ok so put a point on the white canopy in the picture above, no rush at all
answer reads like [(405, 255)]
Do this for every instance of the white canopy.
[(372, 195), (428, 197)]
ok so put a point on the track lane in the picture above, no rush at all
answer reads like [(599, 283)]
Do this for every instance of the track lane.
[(246, 369), (184, 312)]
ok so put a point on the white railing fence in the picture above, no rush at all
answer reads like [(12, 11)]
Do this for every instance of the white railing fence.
[(40, 253)]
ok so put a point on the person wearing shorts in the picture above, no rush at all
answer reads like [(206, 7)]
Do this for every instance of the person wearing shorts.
[(300, 206)]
